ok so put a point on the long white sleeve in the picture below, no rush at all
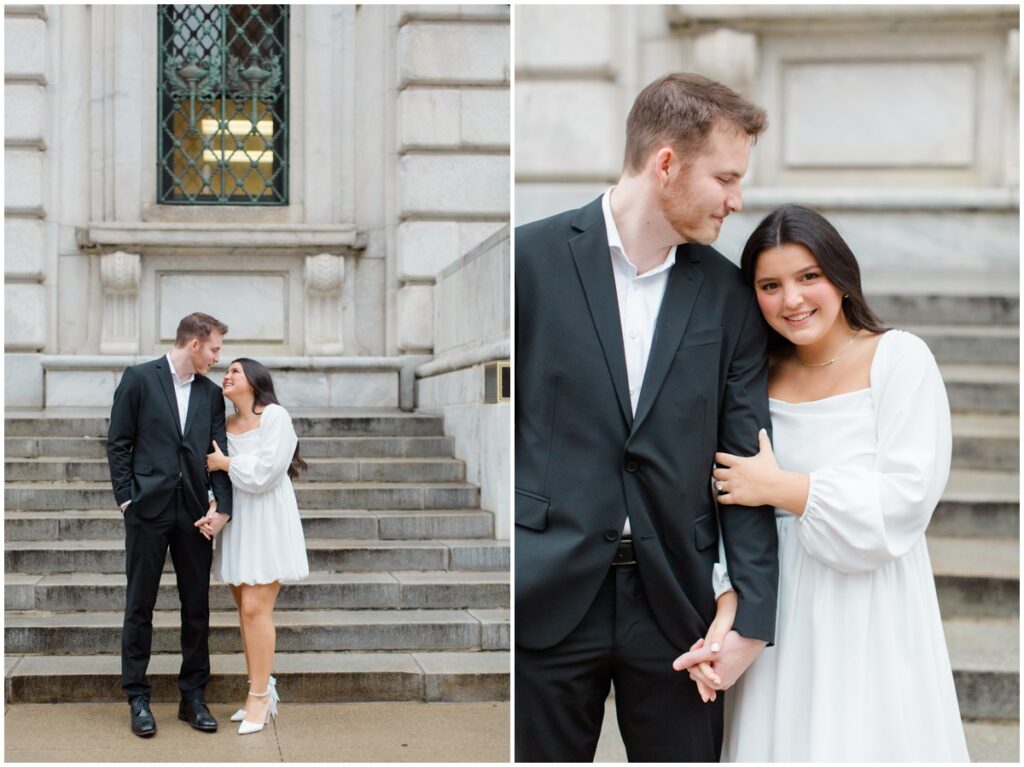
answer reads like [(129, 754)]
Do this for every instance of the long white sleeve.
[(260, 471), (859, 519)]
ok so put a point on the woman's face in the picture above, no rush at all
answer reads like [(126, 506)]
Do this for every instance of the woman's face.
[(795, 296), (235, 381)]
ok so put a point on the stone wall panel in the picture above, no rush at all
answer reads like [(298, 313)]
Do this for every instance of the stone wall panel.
[(24, 248), (415, 318), (454, 185), (24, 316), (23, 179), (559, 147), (453, 53), (24, 113), (485, 117), (25, 48), (426, 247), (566, 38)]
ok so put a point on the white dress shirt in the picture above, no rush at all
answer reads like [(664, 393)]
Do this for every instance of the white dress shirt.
[(182, 389), (640, 297)]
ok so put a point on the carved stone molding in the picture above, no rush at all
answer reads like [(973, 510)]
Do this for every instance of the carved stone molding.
[(120, 274), (324, 276)]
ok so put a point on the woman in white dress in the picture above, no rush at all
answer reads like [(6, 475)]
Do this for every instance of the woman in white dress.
[(861, 425), (263, 546)]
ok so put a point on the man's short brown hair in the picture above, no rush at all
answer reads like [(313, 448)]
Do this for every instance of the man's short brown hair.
[(197, 325), (680, 110)]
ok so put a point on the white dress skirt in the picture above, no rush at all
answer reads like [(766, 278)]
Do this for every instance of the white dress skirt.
[(263, 542), (859, 670)]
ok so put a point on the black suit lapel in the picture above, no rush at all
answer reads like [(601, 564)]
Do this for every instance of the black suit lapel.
[(163, 374), (594, 266), (684, 283), (194, 395)]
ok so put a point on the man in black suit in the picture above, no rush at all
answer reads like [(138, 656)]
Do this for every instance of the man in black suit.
[(166, 414), (640, 352)]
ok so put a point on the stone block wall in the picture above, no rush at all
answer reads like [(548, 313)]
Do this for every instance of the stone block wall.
[(453, 148), (28, 248), (471, 329), (901, 122)]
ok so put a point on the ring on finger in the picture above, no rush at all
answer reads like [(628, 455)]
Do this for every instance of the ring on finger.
[(719, 485)]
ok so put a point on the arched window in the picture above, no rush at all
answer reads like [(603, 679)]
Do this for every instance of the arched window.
[(223, 101)]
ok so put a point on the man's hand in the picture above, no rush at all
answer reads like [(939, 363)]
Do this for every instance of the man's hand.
[(729, 663), (212, 523)]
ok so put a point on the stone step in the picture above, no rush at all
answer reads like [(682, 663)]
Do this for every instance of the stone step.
[(384, 524), (986, 441), (982, 388), (26, 496), (440, 589), (976, 577), (993, 740), (310, 447), (329, 555), (988, 740), (999, 344), (985, 655), (89, 633), (312, 677), (900, 307), (93, 422), (320, 469), (979, 503)]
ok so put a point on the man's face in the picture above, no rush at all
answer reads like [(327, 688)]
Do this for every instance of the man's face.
[(205, 354), (706, 188)]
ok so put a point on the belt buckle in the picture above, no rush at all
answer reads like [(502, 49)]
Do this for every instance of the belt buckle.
[(624, 554)]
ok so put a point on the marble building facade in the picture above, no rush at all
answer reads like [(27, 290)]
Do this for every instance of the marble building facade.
[(899, 122), (395, 231)]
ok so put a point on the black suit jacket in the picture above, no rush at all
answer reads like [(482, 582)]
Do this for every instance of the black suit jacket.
[(147, 451), (583, 461)]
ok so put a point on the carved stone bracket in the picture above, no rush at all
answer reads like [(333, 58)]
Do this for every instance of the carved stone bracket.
[(120, 274), (324, 277)]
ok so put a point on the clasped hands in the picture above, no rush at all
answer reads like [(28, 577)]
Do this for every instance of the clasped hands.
[(212, 522), (717, 660)]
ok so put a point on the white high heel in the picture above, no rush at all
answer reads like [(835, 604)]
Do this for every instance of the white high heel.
[(246, 727), (239, 715)]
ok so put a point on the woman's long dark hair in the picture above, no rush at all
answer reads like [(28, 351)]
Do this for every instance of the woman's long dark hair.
[(263, 394), (795, 224)]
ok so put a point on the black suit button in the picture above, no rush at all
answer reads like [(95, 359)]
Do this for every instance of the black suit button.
[(632, 467), (611, 535)]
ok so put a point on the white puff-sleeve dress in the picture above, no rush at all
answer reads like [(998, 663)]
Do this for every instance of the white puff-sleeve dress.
[(263, 542), (859, 670)]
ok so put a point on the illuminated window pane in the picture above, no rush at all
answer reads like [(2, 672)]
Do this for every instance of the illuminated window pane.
[(223, 98)]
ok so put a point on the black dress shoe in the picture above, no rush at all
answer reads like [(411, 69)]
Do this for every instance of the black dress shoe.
[(143, 723), (197, 714)]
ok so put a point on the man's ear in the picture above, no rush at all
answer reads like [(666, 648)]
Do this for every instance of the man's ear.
[(663, 162)]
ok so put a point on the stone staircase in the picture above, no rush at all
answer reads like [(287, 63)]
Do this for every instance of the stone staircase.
[(407, 599), (972, 327)]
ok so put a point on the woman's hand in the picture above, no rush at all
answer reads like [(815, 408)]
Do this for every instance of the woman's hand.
[(747, 481), (217, 461), (708, 681)]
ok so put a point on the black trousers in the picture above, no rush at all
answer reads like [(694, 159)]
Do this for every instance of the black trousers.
[(560, 692), (146, 543)]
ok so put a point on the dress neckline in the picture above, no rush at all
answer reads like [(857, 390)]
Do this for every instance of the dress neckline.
[(243, 433), (871, 378)]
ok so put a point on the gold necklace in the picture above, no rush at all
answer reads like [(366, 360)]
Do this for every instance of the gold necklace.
[(831, 361)]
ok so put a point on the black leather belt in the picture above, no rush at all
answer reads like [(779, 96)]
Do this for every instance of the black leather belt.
[(624, 554)]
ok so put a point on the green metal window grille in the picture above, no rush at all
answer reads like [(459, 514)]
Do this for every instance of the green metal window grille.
[(223, 96)]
